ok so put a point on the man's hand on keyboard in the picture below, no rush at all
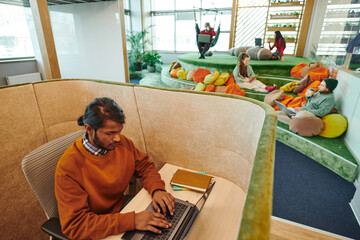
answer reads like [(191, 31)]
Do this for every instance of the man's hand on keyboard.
[(148, 221), (163, 200)]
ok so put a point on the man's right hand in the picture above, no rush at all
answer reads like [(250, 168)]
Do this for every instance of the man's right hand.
[(148, 221)]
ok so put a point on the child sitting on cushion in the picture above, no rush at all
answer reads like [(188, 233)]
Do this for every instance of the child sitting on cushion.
[(246, 78)]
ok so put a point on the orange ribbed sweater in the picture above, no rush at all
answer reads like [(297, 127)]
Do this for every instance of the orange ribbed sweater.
[(90, 189)]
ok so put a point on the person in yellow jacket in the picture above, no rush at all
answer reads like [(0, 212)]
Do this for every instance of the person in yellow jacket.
[(93, 173)]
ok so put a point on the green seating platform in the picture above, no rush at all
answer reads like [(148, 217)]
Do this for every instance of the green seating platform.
[(331, 153)]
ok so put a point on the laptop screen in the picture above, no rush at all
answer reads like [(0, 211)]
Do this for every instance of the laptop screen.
[(199, 205)]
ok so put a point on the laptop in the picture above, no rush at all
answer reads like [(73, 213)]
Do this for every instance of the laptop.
[(286, 110), (183, 219), (204, 38)]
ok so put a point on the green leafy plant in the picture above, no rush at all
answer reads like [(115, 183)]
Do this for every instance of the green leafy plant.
[(137, 41), (151, 58)]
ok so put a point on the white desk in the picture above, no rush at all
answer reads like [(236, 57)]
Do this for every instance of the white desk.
[(220, 216)]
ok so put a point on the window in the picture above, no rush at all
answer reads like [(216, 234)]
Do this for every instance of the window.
[(174, 23), (341, 25), (15, 41)]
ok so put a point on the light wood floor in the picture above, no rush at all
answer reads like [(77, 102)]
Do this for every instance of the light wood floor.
[(282, 229)]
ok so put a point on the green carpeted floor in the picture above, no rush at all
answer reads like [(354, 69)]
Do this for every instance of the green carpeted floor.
[(332, 153), (261, 67), (335, 145)]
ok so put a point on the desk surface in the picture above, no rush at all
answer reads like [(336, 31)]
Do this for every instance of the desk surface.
[(220, 216)]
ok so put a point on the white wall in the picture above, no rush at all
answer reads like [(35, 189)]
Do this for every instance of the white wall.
[(316, 23), (88, 40), (347, 96)]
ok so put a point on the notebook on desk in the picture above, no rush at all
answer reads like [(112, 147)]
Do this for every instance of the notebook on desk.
[(183, 219)]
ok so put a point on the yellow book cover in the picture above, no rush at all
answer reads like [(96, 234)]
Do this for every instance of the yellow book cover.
[(192, 180)]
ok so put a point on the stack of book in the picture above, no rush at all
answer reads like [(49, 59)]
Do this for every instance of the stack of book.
[(185, 180)]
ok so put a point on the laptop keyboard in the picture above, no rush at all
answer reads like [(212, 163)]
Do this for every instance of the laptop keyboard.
[(174, 219)]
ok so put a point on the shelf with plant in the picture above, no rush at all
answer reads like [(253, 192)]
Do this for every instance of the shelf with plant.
[(285, 3), (287, 39), (282, 27), (285, 15)]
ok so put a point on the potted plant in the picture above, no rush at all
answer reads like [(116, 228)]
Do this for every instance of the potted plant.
[(137, 41), (151, 58)]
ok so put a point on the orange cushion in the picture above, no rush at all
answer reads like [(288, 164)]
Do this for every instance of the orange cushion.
[(210, 88), (296, 70), (230, 80), (200, 74), (285, 101), (314, 85), (297, 102), (319, 74), (173, 72), (234, 89)]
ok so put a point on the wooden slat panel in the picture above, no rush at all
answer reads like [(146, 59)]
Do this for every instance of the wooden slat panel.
[(309, 5), (44, 33)]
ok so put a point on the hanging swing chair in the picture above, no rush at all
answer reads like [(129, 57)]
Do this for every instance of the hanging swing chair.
[(205, 45)]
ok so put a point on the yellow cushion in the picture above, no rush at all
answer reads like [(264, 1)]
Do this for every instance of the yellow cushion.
[(199, 87), (334, 125), (211, 78), (289, 87), (182, 73), (222, 79)]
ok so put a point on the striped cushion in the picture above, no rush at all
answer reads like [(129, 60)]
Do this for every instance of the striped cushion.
[(39, 168)]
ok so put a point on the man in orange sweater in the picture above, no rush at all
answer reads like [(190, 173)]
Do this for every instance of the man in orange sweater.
[(94, 172)]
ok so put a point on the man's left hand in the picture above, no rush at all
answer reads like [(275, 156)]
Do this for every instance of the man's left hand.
[(163, 200)]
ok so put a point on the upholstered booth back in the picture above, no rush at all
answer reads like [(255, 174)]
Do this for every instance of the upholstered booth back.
[(225, 135)]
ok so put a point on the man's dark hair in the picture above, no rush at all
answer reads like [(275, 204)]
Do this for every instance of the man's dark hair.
[(100, 110)]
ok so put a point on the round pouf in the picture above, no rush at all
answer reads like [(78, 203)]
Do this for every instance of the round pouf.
[(306, 127), (334, 125), (259, 53)]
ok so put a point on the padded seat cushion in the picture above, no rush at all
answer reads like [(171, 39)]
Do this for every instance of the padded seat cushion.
[(239, 50), (200, 74), (182, 74), (306, 127), (211, 78), (210, 88), (297, 69), (190, 75), (334, 125), (302, 84), (277, 95), (319, 74), (222, 79), (199, 87), (259, 53), (230, 80), (289, 87), (234, 89), (173, 72)]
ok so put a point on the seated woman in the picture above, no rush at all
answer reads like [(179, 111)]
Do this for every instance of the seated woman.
[(204, 47), (280, 45), (246, 78)]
